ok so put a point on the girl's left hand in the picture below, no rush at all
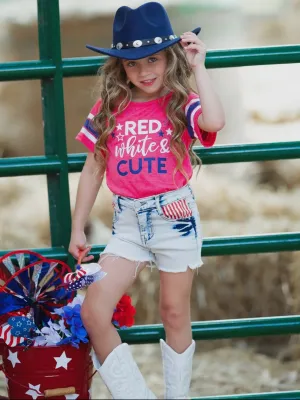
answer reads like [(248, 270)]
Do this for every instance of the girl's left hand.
[(194, 48)]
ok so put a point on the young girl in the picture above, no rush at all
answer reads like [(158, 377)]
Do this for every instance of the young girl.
[(141, 133)]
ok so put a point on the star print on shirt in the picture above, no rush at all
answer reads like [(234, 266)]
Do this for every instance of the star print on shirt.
[(119, 127), (169, 132), (120, 137), (161, 134)]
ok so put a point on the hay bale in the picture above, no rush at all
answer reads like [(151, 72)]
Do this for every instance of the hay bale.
[(23, 225), (278, 175), (237, 200), (20, 102), (229, 287)]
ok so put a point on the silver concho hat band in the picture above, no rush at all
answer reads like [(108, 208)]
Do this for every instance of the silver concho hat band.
[(144, 42)]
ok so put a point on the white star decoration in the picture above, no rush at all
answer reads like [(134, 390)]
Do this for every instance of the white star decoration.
[(71, 396), (62, 361), (120, 137), (34, 391), (119, 127), (13, 358), (169, 131)]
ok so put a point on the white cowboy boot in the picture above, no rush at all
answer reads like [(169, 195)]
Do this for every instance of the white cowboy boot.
[(122, 376), (177, 370)]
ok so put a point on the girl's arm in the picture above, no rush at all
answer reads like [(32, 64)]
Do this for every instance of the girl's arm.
[(212, 118), (88, 188)]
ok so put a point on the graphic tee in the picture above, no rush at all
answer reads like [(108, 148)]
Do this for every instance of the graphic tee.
[(140, 162)]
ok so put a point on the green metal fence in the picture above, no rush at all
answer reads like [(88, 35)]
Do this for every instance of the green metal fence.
[(51, 69)]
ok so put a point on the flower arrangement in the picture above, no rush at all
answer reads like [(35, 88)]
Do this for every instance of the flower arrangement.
[(41, 306), (69, 328), (123, 316)]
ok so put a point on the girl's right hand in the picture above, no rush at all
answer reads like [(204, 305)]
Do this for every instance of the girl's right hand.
[(78, 244)]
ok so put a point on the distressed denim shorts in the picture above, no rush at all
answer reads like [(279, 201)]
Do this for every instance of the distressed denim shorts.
[(164, 229)]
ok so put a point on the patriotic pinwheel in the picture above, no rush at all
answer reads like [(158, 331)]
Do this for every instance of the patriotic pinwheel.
[(32, 286)]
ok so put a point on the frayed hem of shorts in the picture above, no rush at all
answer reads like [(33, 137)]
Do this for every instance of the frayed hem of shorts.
[(109, 253), (183, 269), (117, 256)]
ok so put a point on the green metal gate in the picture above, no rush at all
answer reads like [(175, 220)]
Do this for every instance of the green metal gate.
[(56, 164)]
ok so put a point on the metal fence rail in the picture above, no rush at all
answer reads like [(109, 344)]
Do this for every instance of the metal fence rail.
[(224, 329), (51, 69), (216, 246), (83, 66), (217, 155), (293, 395)]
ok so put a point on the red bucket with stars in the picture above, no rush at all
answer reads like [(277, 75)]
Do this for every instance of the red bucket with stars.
[(56, 372)]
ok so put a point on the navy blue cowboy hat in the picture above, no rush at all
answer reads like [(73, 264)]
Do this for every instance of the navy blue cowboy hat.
[(140, 32)]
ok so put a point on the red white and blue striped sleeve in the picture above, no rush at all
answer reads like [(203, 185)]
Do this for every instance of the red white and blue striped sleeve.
[(88, 135), (192, 111)]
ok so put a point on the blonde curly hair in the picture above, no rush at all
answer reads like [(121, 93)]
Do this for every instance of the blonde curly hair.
[(115, 95)]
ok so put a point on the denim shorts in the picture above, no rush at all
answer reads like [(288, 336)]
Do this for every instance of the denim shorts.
[(164, 230)]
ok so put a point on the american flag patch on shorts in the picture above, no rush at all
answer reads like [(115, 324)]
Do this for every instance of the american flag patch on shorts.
[(176, 210)]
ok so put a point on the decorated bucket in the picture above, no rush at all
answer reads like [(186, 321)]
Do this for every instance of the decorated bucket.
[(40, 319), (58, 372)]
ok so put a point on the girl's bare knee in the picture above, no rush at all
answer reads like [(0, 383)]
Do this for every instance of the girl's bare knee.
[(102, 296), (172, 316), (93, 318)]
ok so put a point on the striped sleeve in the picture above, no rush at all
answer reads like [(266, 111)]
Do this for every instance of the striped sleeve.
[(88, 135), (192, 112)]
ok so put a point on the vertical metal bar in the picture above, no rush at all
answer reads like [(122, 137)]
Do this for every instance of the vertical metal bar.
[(54, 122)]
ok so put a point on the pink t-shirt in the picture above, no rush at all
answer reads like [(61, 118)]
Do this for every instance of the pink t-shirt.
[(140, 163)]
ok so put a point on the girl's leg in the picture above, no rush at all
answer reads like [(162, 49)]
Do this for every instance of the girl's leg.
[(175, 293), (101, 299), (117, 367), (178, 350)]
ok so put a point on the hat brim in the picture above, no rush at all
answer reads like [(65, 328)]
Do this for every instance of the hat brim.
[(138, 52)]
